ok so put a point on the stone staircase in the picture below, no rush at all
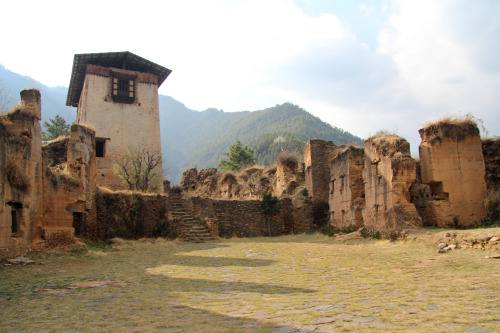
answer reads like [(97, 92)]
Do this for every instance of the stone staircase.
[(191, 230)]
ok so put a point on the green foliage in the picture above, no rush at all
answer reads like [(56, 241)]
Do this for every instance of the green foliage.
[(304, 192), (55, 128), (331, 231), (237, 157), (269, 206)]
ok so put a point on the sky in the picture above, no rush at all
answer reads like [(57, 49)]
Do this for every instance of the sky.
[(364, 66)]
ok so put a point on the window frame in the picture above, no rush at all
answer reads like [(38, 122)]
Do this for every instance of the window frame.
[(123, 88)]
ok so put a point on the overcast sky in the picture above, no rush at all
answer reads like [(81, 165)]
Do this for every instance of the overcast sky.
[(363, 66)]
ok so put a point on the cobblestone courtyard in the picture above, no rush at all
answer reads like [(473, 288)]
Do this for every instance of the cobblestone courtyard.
[(298, 283)]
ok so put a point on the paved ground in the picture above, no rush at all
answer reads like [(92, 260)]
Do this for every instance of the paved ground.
[(287, 284)]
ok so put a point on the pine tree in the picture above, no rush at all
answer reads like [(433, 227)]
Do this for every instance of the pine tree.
[(237, 157), (55, 128)]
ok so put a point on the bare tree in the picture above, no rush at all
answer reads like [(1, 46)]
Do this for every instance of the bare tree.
[(138, 169)]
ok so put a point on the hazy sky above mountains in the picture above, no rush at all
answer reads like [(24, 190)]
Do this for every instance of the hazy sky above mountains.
[(363, 66)]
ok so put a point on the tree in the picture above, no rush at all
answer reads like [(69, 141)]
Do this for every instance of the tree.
[(237, 157), (270, 206), (138, 170), (55, 128), (4, 98)]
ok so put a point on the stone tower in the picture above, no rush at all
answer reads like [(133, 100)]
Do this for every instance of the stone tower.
[(117, 94)]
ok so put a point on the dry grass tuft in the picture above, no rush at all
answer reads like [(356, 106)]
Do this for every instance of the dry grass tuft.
[(389, 144), (15, 176), (288, 160), (455, 128)]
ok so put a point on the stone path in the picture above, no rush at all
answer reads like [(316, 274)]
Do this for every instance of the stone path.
[(261, 286)]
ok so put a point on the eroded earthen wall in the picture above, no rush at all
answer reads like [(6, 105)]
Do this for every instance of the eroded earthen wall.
[(389, 171), (288, 175), (69, 188), (123, 127), (347, 191), (248, 184), (20, 175), (317, 158), (452, 165)]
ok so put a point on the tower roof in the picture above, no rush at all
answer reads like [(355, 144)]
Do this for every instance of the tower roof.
[(123, 60)]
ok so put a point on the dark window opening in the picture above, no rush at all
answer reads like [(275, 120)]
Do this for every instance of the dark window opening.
[(100, 146), (15, 214), (78, 223), (123, 90)]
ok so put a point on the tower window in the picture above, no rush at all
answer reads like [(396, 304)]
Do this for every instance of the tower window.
[(123, 89), (100, 147)]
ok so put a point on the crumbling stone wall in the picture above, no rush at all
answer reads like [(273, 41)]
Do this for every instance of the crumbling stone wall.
[(419, 195), (289, 174), (243, 218), (20, 175), (248, 184), (491, 154), (453, 166), (347, 190), (69, 187), (317, 159), (389, 171), (132, 215)]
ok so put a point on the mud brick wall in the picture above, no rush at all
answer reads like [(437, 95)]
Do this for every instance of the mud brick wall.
[(389, 172), (452, 164), (317, 157), (347, 190)]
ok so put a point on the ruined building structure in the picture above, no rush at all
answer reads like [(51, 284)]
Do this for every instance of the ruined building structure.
[(317, 157), (347, 189), (117, 94), (389, 172), (452, 165), (46, 192)]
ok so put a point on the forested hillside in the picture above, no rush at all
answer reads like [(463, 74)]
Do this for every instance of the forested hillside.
[(199, 139)]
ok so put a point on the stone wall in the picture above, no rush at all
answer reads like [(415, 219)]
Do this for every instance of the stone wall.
[(347, 191), (248, 184), (452, 165), (243, 218), (419, 195), (123, 127), (317, 158), (389, 171), (20, 175), (132, 215), (491, 154)]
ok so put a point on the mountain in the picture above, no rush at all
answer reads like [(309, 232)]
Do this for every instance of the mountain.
[(199, 139)]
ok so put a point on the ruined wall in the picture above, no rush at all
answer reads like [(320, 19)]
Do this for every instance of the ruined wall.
[(317, 159), (122, 126), (248, 184), (289, 174), (347, 190), (389, 171), (69, 188), (243, 218), (453, 166), (132, 215), (491, 154), (419, 195), (20, 175)]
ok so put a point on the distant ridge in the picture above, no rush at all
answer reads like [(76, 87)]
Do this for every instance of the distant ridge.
[(198, 139)]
